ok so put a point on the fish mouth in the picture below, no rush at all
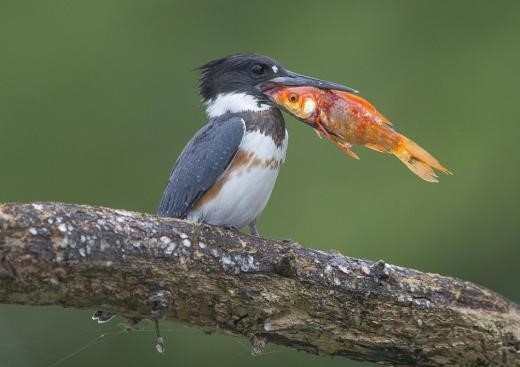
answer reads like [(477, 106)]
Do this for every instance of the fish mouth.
[(269, 88), (270, 91)]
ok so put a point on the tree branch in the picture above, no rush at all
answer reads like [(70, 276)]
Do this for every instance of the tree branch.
[(142, 266)]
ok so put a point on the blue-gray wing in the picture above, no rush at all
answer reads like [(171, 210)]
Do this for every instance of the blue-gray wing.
[(203, 160)]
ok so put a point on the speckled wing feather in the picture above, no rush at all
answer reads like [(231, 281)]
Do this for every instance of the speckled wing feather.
[(203, 160)]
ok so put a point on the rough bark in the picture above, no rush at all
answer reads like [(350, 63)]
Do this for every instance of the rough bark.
[(142, 266)]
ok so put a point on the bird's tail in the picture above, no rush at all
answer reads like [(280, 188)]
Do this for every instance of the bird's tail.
[(418, 160)]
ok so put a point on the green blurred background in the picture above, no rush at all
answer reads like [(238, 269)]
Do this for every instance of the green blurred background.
[(98, 97)]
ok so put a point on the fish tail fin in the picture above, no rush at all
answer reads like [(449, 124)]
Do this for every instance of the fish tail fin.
[(418, 160)]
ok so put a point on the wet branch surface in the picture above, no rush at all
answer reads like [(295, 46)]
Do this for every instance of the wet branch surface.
[(142, 266)]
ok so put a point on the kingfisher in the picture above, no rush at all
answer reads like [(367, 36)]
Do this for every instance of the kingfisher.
[(225, 174), (227, 171)]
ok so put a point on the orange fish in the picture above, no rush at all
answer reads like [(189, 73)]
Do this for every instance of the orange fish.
[(347, 119)]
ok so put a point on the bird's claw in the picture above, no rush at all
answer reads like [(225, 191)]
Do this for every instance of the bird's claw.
[(231, 228)]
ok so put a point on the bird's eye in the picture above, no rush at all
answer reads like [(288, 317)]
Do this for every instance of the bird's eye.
[(258, 69), (293, 98)]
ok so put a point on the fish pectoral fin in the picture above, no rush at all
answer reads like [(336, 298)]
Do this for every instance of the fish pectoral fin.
[(346, 148), (376, 147), (351, 153), (318, 133), (322, 129)]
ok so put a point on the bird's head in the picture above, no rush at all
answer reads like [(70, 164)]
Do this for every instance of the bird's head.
[(242, 76)]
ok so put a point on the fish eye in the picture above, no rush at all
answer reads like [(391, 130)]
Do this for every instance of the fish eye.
[(258, 69), (293, 98)]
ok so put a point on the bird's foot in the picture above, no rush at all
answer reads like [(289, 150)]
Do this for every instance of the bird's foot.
[(231, 228), (252, 228)]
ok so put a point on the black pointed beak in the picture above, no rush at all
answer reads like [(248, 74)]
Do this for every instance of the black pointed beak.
[(291, 79)]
